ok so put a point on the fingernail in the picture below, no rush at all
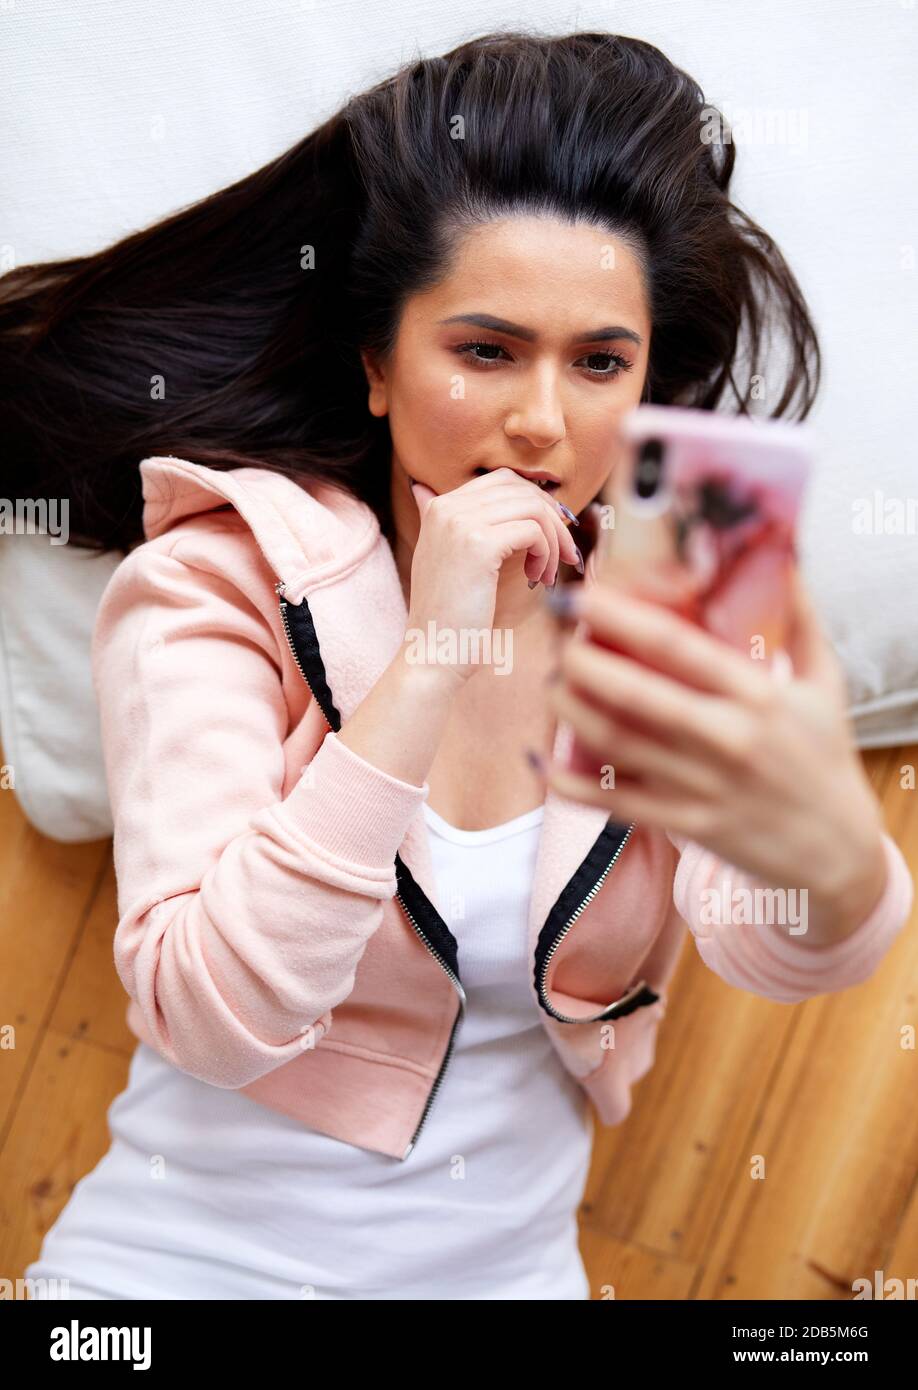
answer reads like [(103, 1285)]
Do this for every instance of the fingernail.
[(533, 583), (566, 511), (535, 760), (580, 565)]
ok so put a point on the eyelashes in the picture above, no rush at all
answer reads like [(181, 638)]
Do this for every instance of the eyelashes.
[(467, 350)]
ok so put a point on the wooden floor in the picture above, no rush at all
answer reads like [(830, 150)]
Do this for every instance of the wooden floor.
[(822, 1094)]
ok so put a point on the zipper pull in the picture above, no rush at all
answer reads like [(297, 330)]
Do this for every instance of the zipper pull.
[(280, 588)]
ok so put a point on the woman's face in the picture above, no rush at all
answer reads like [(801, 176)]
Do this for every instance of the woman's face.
[(523, 357)]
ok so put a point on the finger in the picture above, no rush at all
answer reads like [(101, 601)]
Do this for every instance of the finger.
[(507, 507), (666, 709), (623, 802), (522, 534), (630, 752), (668, 642), (494, 542), (423, 496), (503, 482), (502, 477)]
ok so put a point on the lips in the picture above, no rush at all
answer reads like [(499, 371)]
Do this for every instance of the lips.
[(546, 481)]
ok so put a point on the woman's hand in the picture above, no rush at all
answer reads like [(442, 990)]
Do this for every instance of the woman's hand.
[(707, 744), (466, 536)]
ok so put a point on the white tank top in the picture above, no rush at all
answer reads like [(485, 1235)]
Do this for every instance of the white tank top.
[(254, 1205)]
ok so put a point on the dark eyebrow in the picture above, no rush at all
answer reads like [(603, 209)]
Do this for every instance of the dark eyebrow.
[(515, 330)]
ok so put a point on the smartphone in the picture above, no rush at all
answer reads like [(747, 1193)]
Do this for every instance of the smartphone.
[(700, 515)]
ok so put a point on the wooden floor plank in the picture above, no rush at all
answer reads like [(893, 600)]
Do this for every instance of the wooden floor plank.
[(59, 1134), (46, 893)]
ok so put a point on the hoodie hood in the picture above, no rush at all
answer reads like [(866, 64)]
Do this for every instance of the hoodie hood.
[(284, 517)]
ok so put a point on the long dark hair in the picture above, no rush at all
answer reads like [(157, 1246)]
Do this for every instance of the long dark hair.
[(230, 332)]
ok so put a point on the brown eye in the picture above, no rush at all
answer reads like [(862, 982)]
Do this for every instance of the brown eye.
[(621, 364), (469, 349)]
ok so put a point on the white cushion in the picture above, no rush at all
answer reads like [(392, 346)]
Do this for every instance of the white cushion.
[(48, 719), (120, 114)]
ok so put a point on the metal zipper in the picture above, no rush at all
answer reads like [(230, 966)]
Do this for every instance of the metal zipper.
[(460, 1014), (563, 1018), (280, 589)]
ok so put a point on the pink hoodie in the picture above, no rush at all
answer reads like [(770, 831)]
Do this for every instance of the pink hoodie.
[(278, 924)]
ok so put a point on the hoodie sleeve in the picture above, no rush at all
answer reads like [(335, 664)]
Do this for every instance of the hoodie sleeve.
[(762, 956), (243, 913)]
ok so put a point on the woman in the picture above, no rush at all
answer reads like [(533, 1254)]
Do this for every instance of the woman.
[(375, 970)]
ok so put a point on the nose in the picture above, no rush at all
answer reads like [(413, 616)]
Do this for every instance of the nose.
[(539, 415)]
